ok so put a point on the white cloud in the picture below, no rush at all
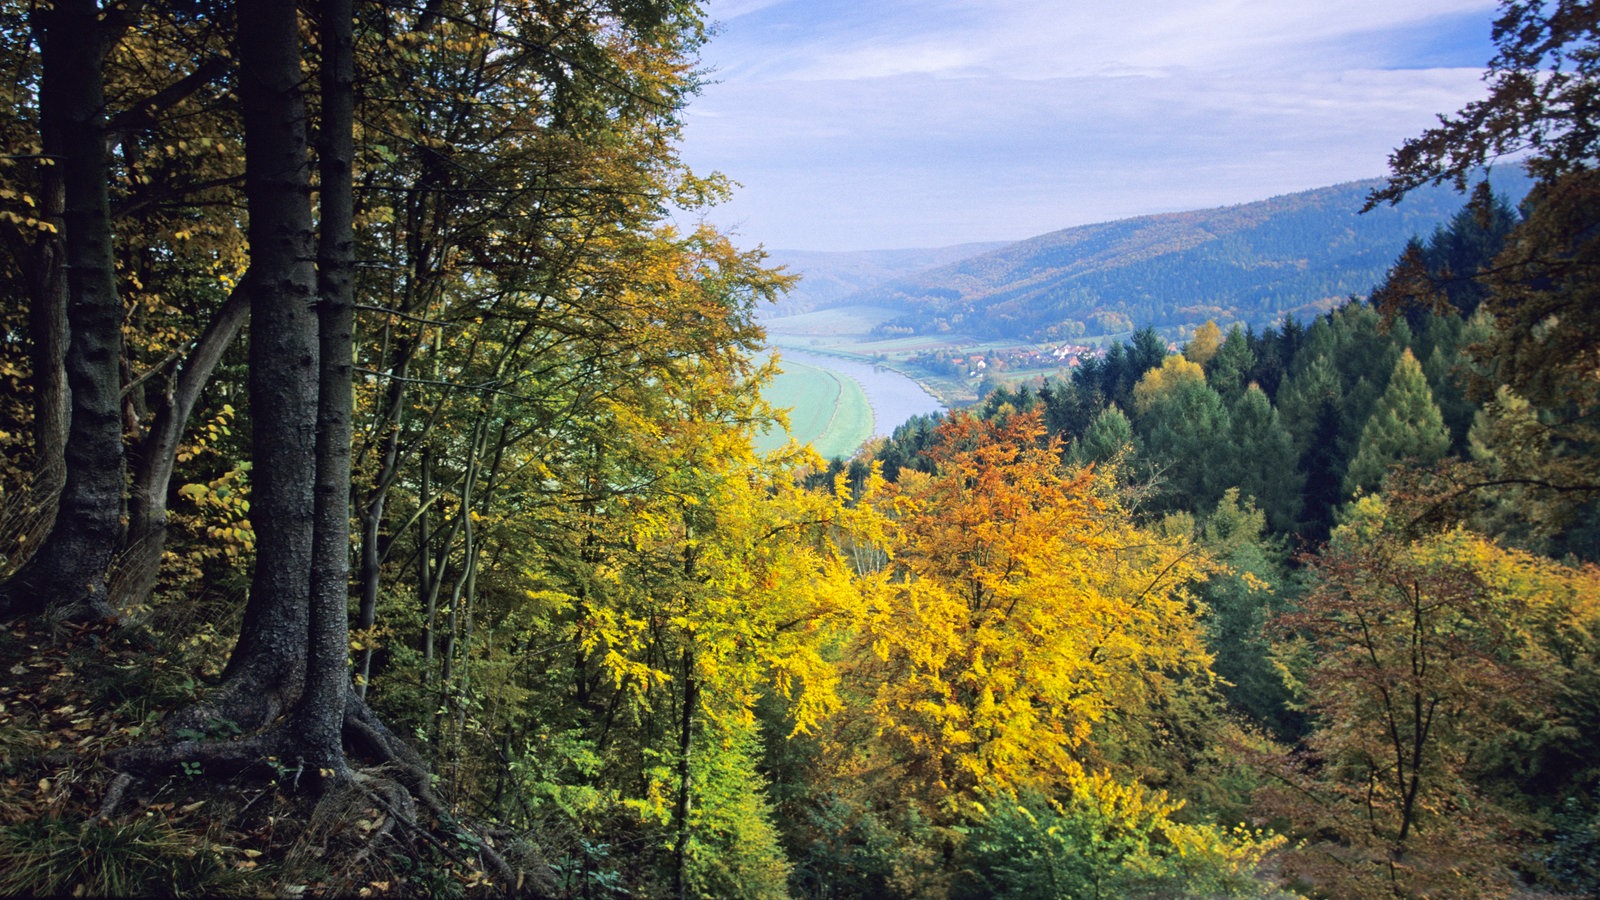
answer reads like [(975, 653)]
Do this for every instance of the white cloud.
[(1030, 39), (727, 10), (917, 124)]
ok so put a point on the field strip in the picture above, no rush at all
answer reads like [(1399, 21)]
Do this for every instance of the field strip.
[(828, 409), (850, 422), (845, 422)]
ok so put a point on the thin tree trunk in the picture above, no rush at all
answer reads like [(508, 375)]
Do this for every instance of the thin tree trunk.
[(685, 805), (427, 586), (147, 505), (371, 570), (691, 699), (319, 717), (463, 526)]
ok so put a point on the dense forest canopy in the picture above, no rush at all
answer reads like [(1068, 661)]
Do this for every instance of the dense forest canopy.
[(380, 516)]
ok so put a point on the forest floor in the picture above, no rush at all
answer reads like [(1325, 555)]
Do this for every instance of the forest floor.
[(69, 697)]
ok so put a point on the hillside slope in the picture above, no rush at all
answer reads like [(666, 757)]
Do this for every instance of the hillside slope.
[(830, 276), (1252, 263)]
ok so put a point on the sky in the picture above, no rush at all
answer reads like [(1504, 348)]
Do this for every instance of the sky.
[(885, 124)]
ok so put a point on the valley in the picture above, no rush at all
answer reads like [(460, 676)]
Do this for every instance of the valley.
[(960, 321)]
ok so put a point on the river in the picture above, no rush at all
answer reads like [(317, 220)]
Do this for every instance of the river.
[(894, 397)]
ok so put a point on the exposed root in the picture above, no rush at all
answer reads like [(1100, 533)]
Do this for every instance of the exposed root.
[(395, 800), (396, 784), (21, 597), (114, 794), (217, 757), (238, 705), (363, 728), (350, 834)]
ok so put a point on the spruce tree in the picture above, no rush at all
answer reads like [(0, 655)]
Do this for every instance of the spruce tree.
[(1106, 437), (1406, 426), (1267, 458), (1187, 435), (1228, 371), (1309, 406)]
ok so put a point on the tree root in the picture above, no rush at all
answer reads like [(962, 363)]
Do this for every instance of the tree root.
[(363, 728), (113, 798), (393, 799), (393, 776), (238, 705)]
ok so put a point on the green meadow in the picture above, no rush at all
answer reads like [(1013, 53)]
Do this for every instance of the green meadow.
[(847, 332), (827, 410)]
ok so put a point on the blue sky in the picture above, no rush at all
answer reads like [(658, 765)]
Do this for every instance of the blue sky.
[(875, 124)]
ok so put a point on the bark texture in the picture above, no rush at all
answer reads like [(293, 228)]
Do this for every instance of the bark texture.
[(46, 273), (320, 714), (266, 674), (67, 576)]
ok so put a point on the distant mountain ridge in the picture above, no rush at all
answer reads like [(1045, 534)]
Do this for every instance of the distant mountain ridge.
[(832, 276), (1298, 253)]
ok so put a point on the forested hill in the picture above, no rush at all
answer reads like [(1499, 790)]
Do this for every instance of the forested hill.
[(1250, 263), (831, 277)]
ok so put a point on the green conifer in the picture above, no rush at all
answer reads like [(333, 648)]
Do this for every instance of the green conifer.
[(1267, 459), (1406, 426), (1106, 437)]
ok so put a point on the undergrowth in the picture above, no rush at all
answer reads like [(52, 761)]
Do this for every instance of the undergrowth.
[(69, 697)]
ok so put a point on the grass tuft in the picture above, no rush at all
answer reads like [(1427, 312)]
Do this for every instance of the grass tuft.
[(143, 858)]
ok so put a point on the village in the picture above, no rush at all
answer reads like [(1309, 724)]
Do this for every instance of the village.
[(952, 363)]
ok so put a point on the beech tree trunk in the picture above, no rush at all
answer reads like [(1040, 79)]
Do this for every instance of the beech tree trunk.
[(147, 505), (319, 717), (388, 432), (67, 576), (685, 804), (266, 673)]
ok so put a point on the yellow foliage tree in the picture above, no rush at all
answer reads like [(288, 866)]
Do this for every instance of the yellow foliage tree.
[(1173, 371), (1021, 611), (1206, 342)]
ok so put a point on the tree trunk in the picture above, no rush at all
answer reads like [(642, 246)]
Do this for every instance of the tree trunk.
[(147, 503), (387, 431), (319, 717), (685, 805), (46, 273), (427, 584), (67, 577), (266, 674)]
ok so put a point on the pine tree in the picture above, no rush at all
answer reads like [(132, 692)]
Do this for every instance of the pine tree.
[(1267, 458), (1228, 369), (1105, 438), (1406, 426)]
